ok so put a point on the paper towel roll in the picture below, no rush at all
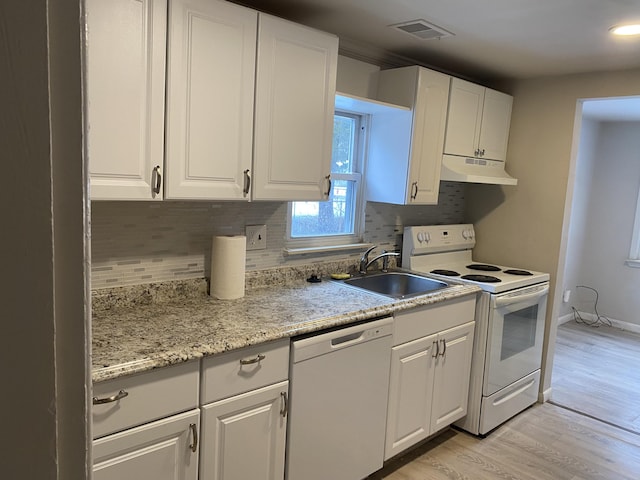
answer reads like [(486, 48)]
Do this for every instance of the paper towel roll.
[(228, 255)]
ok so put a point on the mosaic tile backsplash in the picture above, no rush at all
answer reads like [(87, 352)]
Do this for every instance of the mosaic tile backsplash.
[(145, 242)]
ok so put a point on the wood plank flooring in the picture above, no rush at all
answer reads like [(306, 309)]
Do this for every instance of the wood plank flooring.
[(545, 442), (596, 371)]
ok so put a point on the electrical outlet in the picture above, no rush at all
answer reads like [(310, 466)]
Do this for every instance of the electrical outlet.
[(256, 237), (566, 296)]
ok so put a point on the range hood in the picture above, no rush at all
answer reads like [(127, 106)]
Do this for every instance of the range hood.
[(475, 170)]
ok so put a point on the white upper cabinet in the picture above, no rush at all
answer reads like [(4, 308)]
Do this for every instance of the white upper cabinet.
[(478, 121), (405, 152), (210, 87), (294, 104), (125, 70)]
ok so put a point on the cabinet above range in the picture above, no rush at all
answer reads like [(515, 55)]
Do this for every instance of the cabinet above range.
[(225, 64)]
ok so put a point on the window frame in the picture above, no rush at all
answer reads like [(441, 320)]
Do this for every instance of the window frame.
[(356, 238)]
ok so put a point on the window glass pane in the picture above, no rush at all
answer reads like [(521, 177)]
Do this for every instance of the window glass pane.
[(333, 217), (344, 129)]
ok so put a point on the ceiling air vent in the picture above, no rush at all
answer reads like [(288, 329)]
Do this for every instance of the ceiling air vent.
[(422, 29)]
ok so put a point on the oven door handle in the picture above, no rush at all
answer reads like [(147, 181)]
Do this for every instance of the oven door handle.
[(503, 301)]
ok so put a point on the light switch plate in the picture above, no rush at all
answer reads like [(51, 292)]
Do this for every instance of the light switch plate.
[(256, 237)]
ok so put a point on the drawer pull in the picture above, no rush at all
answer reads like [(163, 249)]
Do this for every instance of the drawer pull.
[(257, 359), (285, 404), (444, 347), (113, 398), (194, 431)]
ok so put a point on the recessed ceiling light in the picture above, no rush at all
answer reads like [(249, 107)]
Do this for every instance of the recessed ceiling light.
[(626, 30)]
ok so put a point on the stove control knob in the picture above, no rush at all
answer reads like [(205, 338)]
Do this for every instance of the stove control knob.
[(467, 234), (427, 237), (420, 237)]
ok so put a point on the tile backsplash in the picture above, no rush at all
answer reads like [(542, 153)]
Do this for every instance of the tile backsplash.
[(145, 242)]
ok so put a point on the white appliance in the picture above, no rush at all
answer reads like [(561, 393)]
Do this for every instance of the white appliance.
[(510, 318), (338, 402)]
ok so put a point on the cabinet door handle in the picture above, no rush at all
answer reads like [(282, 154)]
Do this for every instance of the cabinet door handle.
[(158, 185), (113, 398), (247, 183), (285, 404), (482, 152), (257, 359), (414, 190), (437, 349), (328, 192), (194, 432), (444, 347)]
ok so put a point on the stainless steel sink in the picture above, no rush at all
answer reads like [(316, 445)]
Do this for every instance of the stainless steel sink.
[(396, 284)]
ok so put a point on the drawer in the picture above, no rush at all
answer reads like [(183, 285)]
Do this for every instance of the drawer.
[(150, 396), (422, 321), (244, 370)]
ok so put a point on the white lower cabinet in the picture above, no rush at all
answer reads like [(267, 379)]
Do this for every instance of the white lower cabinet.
[(243, 437), (429, 382), (166, 449)]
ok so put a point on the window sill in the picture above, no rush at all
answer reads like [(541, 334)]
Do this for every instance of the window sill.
[(327, 248), (630, 262)]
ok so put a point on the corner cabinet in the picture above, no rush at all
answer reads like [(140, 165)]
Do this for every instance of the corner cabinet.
[(294, 104), (430, 370), (125, 80), (478, 122), (210, 86), (147, 425), (405, 151)]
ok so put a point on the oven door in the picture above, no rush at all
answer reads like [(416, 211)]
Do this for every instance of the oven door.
[(516, 330)]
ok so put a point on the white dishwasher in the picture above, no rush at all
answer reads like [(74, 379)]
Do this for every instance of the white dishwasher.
[(339, 385)]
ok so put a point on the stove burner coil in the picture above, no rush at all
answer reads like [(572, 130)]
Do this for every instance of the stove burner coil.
[(481, 278), (448, 273), (514, 271), (483, 267)]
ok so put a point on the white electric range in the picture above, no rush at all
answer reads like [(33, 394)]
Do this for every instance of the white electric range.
[(510, 318)]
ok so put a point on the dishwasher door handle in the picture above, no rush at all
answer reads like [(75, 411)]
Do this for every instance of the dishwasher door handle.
[(351, 338), (316, 345)]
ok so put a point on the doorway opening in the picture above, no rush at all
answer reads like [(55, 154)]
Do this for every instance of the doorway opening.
[(597, 347)]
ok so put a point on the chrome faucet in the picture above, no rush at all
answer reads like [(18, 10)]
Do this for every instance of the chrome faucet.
[(365, 262)]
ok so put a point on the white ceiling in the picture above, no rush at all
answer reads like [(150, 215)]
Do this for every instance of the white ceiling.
[(494, 39)]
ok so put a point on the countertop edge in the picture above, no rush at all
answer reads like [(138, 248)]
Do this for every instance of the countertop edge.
[(170, 357)]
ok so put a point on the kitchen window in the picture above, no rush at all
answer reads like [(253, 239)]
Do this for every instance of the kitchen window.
[(339, 220)]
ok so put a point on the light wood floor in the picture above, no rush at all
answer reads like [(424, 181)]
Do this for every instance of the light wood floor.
[(596, 371), (545, 442)]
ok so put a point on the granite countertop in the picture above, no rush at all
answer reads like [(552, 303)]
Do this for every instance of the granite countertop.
[(133, 336)]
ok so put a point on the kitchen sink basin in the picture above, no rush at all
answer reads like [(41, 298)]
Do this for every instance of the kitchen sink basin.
[(396, 284)]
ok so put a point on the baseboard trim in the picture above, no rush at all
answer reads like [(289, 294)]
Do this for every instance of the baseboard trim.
[(591, 317), (565, 318), (544, 396)]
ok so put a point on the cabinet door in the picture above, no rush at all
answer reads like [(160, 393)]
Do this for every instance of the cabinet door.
[(160, 450), (427, 139), (451, 382), (295, 95), (410, 389), (125, 58), (496, 119), (210, 83), (243, 437), (465, 115)]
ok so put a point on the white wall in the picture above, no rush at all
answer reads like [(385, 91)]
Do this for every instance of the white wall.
[(589, 135), (527, 225), (43, 354), (609, 199)]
